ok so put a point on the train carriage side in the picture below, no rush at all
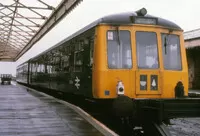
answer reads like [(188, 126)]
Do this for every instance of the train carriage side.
[(67, 66), (22, 73)]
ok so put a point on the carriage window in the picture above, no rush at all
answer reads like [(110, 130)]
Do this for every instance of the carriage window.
[(147, 50), (119, 49), (78, 61), (91, 51), (65, 62), (171, 52)]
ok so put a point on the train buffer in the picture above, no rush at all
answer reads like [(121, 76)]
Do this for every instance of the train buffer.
[(6, 78)]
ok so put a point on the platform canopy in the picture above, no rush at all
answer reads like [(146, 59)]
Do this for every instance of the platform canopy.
[(24, 22), (192, 38)]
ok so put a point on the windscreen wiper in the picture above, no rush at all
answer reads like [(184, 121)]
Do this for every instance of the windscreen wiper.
[(165, 44), (118, 36)]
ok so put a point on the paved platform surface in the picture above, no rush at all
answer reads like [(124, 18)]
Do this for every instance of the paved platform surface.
[(193, 92), (27, 113)]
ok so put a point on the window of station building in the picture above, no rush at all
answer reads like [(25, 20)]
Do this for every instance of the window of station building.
[(147, 50), (119, 52), (171, 51)]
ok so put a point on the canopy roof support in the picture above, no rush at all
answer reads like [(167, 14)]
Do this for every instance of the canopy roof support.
[(19, 32)]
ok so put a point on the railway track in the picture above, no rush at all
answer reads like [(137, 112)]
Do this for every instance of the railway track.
[(185, 127)]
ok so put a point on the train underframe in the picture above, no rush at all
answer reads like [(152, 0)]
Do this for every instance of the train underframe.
[(151, 114), (157, 109)]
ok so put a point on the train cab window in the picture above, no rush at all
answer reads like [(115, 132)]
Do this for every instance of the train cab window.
[(171, 52), (147, 50), (119, 49)]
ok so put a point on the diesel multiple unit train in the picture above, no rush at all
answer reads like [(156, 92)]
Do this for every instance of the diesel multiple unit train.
[(133, 61)]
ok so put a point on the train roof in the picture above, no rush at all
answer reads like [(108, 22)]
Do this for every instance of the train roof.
[(124, 18), (116, 19)]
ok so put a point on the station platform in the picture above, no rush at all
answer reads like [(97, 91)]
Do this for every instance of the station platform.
[(194, 92), (25, 112)]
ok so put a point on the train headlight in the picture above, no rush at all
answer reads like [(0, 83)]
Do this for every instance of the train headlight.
[(141, 12), (120, 88)]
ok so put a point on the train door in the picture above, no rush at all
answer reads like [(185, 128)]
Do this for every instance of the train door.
[(87, 67), (119, 62), (148, 69)]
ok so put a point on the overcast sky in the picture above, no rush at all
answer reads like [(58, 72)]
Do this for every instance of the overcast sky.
[(185, 13)]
